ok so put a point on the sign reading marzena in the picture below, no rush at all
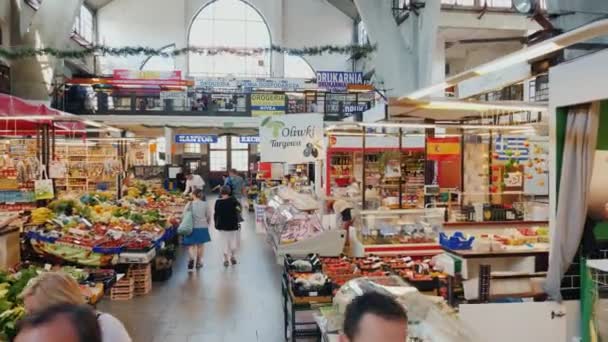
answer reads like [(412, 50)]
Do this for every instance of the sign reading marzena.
[(338, 80), (292, 139), (195, 138)]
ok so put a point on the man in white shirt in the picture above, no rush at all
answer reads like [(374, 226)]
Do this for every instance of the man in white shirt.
[(194, 182)]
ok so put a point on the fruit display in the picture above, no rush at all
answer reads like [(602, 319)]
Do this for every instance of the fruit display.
[(41, 215), (93, 229)]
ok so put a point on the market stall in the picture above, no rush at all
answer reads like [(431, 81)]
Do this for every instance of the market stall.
[(317, 290)]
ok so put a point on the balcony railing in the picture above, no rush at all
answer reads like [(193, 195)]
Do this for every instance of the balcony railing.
[(82, 100)]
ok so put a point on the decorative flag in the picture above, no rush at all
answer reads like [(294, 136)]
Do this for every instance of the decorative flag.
[(442, 148)]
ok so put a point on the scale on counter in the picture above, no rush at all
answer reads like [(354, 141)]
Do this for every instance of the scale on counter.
[(431, 190)]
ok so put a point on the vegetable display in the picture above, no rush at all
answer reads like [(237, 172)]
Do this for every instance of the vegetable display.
[(93, 229)]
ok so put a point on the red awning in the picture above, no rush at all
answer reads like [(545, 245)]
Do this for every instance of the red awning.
[(12, 106)]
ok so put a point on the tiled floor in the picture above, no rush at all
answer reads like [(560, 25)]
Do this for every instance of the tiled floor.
[(241, 303)]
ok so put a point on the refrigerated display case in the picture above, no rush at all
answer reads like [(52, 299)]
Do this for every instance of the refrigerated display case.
[(411, 232), (295, 225)]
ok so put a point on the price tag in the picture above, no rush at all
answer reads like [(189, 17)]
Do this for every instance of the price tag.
[(313, 294), (47, 267)]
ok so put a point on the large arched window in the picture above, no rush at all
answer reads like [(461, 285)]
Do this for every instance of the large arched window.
[(235, 24), (297, 67)]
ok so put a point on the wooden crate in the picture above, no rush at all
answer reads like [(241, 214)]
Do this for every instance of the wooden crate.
[(140, 271), (142, 276), (143, 288), (123, 289)]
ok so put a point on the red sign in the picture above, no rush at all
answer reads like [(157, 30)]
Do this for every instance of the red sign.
[(264, 170)]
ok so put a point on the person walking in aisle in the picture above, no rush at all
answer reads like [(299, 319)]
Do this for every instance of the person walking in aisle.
[(226, 217), (57, 288), (193, 182), (200, 233), (238, 184)]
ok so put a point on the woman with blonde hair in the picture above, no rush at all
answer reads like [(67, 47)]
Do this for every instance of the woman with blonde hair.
[(55, 288)]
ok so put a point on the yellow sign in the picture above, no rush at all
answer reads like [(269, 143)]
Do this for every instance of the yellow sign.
[(267, 104)]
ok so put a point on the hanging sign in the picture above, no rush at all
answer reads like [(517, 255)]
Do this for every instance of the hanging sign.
[(249, 139), (173, 95), (292, 139), (267, 104), (439, 149), (338, 80), (195, 138)]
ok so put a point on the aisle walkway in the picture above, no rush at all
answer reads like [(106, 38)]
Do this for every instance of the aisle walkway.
[(241, 303)]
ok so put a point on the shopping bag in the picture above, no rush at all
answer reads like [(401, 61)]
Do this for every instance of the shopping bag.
[(43, 187), (187, 225), (57, 169)]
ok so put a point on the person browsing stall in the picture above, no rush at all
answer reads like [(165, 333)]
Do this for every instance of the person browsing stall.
[(193, 182), (374, 317)]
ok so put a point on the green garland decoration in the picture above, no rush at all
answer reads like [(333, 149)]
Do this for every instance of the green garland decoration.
[(126, 51)]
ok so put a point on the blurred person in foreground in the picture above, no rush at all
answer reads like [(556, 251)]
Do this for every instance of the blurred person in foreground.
[(56, 288), (374, 317), (60, 323)]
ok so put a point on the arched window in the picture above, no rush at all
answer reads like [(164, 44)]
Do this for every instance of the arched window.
[(297, 67), (159, 63), (229, 23)]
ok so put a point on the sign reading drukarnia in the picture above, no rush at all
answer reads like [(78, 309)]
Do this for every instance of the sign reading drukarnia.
[(293, 138)]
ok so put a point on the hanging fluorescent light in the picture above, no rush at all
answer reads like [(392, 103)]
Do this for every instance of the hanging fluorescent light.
[(481, 106)]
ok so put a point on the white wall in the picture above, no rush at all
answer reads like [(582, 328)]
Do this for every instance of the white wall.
[(316, 22), (293, 23), (125, 22)]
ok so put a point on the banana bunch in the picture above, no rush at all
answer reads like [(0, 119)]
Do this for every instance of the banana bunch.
[(133, 192), (41, 215)]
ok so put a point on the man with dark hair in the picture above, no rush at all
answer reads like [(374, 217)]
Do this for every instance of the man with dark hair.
[(374, 317), (60, 323)]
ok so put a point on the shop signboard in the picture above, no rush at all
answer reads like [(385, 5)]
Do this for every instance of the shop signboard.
[(247, 85), (195, 138), (140, 77), (440, 149), (338, 80), (249, 139), (292, 139), (267, 104), (125, 74), (355, 108)]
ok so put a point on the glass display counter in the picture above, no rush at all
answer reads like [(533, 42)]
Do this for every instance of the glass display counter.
[(411, 232), (295, 225)]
